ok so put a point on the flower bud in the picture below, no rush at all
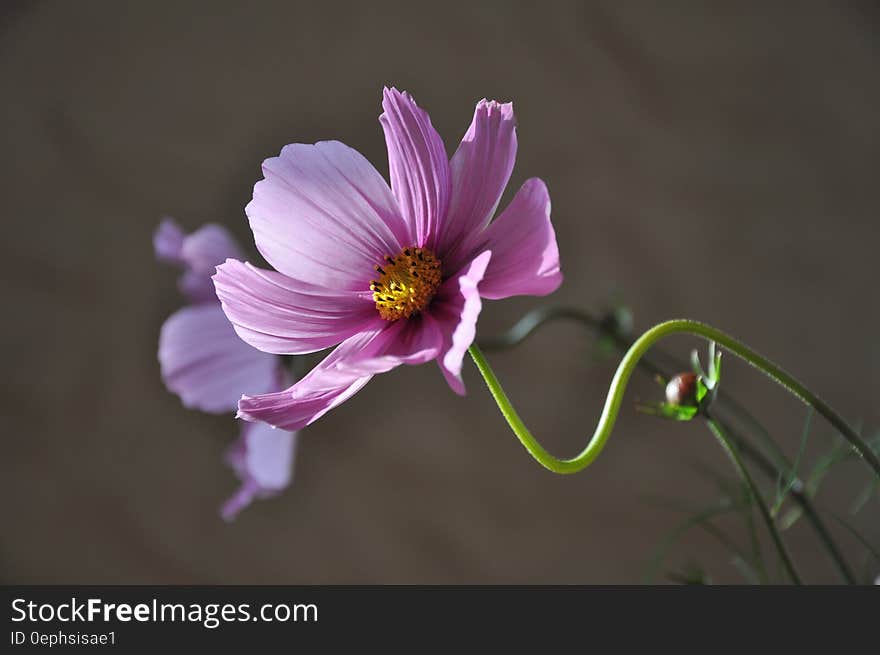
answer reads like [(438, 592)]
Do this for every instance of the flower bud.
[(682, 390)]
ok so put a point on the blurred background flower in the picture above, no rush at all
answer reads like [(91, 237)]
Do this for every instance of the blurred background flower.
[(203, 361)]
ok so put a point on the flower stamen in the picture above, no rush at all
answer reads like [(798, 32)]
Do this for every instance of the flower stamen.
[(406, 283)]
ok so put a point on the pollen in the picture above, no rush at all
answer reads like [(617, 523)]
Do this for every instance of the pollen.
[(406, 283)]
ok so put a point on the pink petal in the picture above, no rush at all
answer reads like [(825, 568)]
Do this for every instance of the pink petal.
[(168, 241), (380, 348), (457, 307), (244, 496), (207, 247), (323, 215), (415, 340), (205, 363), (262, 458), (480, 169), (525, 257), (197, 287), (197, 253), (418, 165), (315, 394), (287, 412), (275, 314)]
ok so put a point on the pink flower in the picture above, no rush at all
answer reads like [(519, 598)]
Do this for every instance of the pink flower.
[(392, 275), (205, 363)]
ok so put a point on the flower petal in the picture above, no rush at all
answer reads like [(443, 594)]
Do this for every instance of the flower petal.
[(197, 287), (323, 215), (168, 241), (262, 457), (380, 348), (207, 247), (480, 170), (314, 395), (197, 253), (457, 307), (205, 363), (419, 166), (525, 257), (275, 314), (416, 340)]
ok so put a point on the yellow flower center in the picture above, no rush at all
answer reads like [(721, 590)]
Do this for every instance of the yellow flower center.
[(406, 283)]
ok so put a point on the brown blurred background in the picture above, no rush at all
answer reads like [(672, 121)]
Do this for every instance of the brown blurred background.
[(716, 162)]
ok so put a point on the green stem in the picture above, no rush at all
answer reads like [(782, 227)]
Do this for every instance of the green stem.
[(800, 497), (731, 451), (608, 327), (621, 377)]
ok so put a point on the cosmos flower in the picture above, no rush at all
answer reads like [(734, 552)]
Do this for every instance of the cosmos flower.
[(205, 363), (392, 275)]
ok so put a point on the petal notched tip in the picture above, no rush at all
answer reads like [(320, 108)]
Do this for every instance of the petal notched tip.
[(493, 108), (392, 93)]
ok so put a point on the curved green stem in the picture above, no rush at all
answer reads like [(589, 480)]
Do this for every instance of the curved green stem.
[(607, 327), (731, 451), (621, 377)]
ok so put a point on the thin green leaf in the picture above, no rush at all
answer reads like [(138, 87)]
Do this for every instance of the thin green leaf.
[(858, 535), (791, 517), (788, 480), (691, 574), (695, 364), (747, 571), (726, 485), (667, 411), (755, 544), (711, 361), (866, 494), (698, 519)]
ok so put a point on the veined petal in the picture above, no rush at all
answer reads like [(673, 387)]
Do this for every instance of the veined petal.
[(457, 307), (418, 165), (525, 256), (205, 363), (276, 314), (480, 170), (262, 457), (322, 389), (286, 412), (380, 348), (323, 215), (415, 340)]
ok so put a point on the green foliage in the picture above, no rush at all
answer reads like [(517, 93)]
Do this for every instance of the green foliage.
[(789, 480), (734, 499), (692, 573), (840, 452)]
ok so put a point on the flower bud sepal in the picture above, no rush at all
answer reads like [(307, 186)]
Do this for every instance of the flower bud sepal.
[(689, 394)]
